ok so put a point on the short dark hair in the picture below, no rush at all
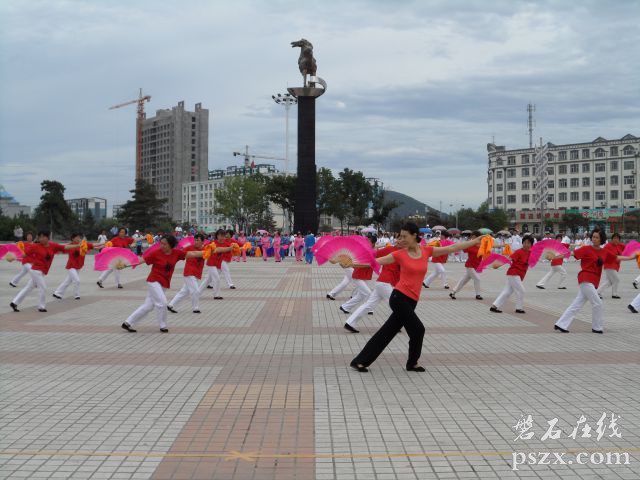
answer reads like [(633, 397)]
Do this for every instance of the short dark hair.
[(230, 231), (615, 235), (412, 228), (220, 231), (476, 233), (122, 228), (44, 233), (198, 236), (602, 234), (445, 234), (373, 239), (171, 240), (528, 238), (76, 234), (558, 237)]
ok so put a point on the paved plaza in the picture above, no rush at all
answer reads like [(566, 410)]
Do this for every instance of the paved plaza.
[(258, 386)]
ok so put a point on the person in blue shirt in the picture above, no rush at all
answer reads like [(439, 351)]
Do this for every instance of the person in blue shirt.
[(309, 241)]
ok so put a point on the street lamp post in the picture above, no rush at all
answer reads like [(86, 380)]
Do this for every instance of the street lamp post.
[(287, 100)]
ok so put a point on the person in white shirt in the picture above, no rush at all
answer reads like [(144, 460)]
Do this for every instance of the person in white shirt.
[(516, 241)]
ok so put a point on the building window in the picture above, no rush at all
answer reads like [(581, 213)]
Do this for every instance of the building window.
[(525, 158), (511, 172), (575, 168), (613, 180), (511, 160), (562, 183), (525, 185), (629, 195), (575, 182), (499, 174), (628, 150), (562, 197), (586, 181), (628, 180), (499, 162), (549, 170), (511, 186), (574, 154), (585, 153), (562, 155), (193, 149), (599, 153), (562, 169), (499, 187), (575, 196), (613, 194), (600, 167), (551, 184), (586, 167), (613, 151), (525, 172), (525, 198), (193, 156), (586, 196), (499, 200), (613, 165), (490, 188), (511, 199), (550, 197), (601, 181), (628, 164), (600, 195)]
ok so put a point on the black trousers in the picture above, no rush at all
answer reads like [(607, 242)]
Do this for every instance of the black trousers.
[(403, 315)]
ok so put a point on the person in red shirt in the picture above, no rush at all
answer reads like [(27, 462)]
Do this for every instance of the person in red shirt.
[(438, 266), (163, 262), (592, 259), (387, 279), (556, 267), (192, 273), (214, 263), (360, 275), (122, 241), (515, 276), (612, 267), (413, 259), (473, 261), (226, 259), (26, 263), (74, 264), (41, 255)]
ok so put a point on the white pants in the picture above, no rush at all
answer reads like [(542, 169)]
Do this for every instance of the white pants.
[(470, 274), (587, 291), (360, 295), (438, 271), (343, 284), (155, 299), (106, 273), (227, 273), (554, 269), (213, 279), (513, 285), (36, 280), (190, 288), (635, 303), (612, 280), (637, 280), (381, 291), (23, 271), (72, 277)]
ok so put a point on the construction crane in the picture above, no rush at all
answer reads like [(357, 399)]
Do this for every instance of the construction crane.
[(248, 159), (139, 120)]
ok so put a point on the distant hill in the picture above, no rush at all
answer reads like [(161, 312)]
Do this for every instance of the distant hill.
[(408, 205)]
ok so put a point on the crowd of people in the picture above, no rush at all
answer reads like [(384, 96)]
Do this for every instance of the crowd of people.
[(403, 258)]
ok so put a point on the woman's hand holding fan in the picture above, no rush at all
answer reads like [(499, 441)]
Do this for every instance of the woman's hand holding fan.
[(115, 258), (494, 261), (548, 248)]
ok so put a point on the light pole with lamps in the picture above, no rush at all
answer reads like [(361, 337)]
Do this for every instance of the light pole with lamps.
[(287, 100)]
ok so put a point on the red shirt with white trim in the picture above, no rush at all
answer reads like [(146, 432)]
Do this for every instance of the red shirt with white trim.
[(390, 273), (412, 271), (473, 261), (591, 262), (75, 259), (162, 265), (41, 256), (611, 263), (194, 265), (519, 263)]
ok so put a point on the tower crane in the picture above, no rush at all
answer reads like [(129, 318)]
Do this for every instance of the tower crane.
[(248, 159), (139, 120)]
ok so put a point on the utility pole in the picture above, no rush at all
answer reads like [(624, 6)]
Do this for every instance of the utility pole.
[(541, 162), (287, 100), (530, 109)]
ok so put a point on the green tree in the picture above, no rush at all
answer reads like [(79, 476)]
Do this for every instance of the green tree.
[(281, 190), (330, 198), (144, 210), (242, 199), (381, 208), (574, 221), (53, 213), (356, 193)]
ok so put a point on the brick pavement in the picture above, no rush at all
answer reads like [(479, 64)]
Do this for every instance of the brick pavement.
[(258, 387)]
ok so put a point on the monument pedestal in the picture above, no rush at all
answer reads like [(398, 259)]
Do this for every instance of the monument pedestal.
[(305, 215)]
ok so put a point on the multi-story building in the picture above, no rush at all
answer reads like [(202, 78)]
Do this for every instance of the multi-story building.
[(199, 203), (10, 207), (602, 174), (97, 206), (175, 150)]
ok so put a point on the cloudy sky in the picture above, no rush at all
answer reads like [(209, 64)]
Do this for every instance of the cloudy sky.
[(415, 89)]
